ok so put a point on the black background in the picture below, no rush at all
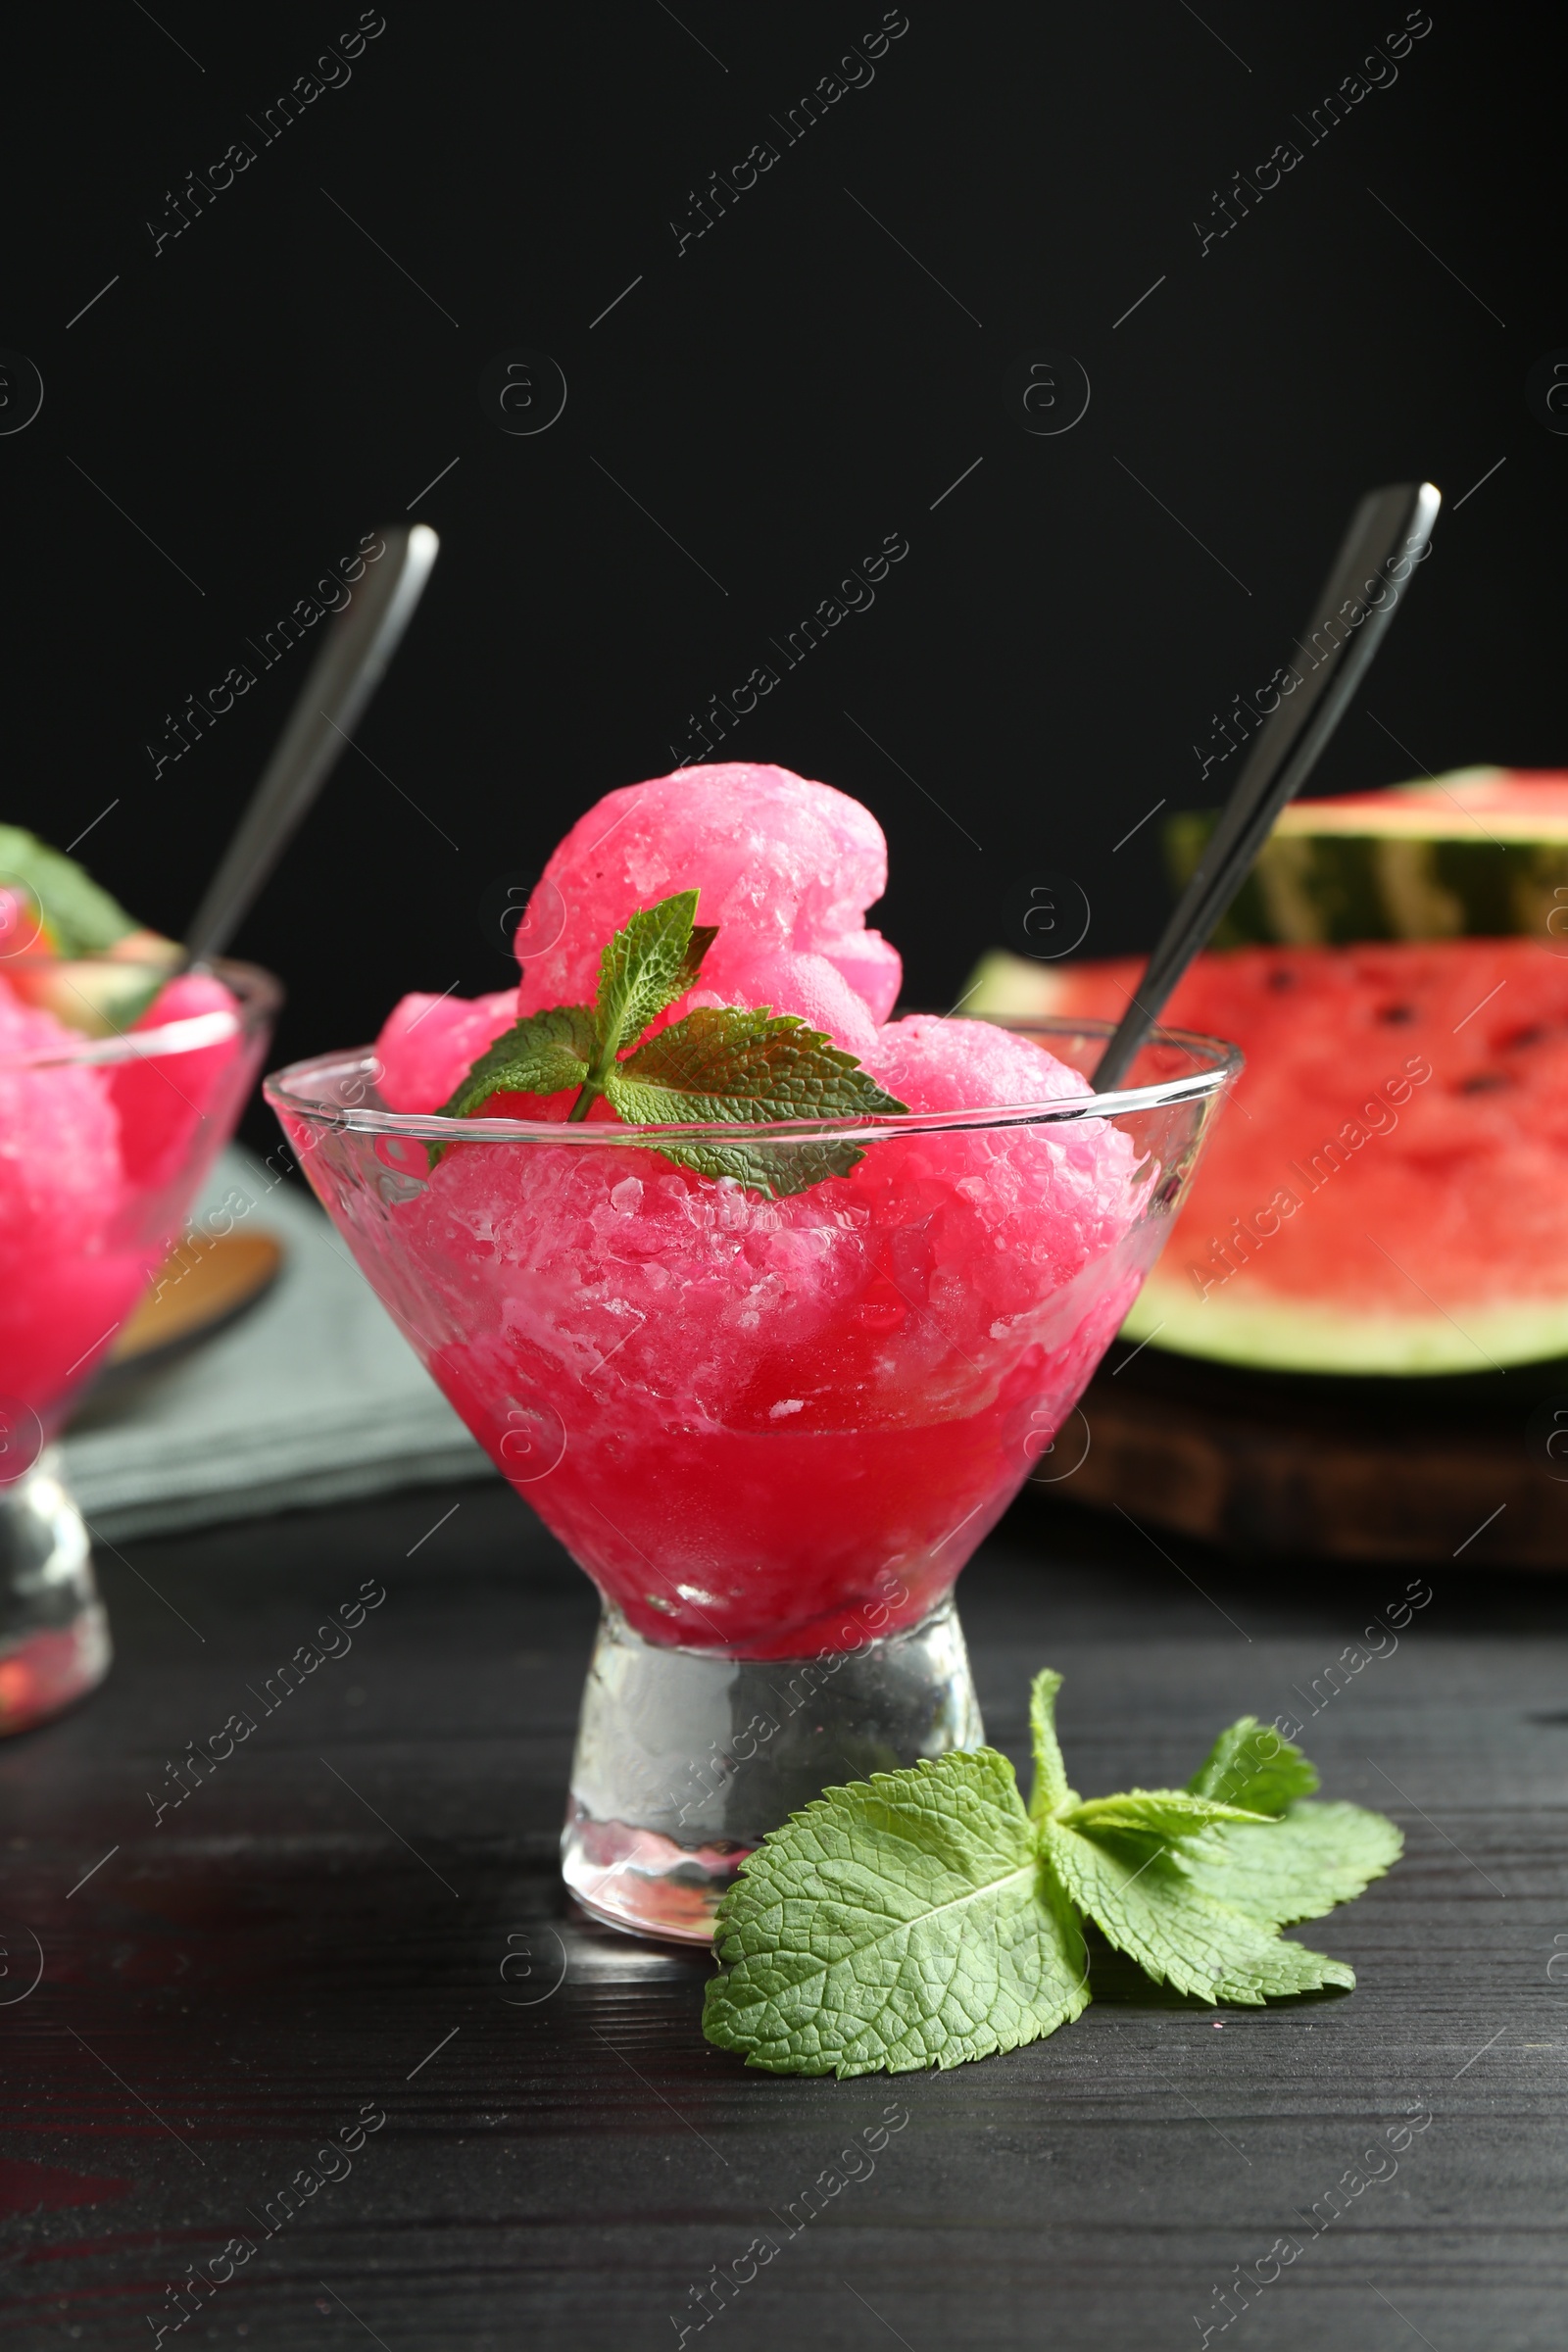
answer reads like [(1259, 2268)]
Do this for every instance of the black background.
[(780, 395)]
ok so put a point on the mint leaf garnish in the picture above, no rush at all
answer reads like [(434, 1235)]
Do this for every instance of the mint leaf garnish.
[(719, 1067), (922, 1918), (543, 1055), (901, 1922), (773, 1170), (1319, 1856), (721, 1063), (1251, 1766), (1050, 1792), (1142, 1902), (646, 966), (1161, 1812)]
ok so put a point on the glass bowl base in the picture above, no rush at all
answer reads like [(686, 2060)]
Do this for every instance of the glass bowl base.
[(685, 1760), (54, 1635), (641, 1882)]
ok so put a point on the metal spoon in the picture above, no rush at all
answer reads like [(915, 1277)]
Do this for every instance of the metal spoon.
[(359, 643), (1389, 532)]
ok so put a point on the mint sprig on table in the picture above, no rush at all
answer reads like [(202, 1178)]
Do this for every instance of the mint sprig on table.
[(717, 1067), (924, 1917)]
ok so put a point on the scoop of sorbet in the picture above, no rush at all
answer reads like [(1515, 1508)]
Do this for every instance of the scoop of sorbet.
[(784, 867)]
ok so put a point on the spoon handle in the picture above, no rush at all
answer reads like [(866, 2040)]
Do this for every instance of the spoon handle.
[(359, 643), (1388, 532)]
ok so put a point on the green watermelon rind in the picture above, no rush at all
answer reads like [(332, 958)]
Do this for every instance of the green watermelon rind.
[(1005, 986), (82, 917), (1280, 1333), (1334, 875)]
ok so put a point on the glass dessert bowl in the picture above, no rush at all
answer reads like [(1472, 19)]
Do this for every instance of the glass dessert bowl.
[(771, 1430), (117, 1086)]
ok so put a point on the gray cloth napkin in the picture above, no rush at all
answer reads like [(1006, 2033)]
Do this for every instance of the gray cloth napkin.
[(312, 1396)]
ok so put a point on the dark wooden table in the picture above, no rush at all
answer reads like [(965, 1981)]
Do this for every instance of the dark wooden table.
[(319, 1937)]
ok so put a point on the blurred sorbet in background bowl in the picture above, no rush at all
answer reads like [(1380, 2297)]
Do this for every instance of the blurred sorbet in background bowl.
[(117, 1086)]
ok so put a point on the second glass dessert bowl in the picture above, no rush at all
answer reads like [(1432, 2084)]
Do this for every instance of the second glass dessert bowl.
[(770, 1430), (118, 1084)]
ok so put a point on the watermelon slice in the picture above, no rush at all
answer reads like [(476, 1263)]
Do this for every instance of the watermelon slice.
[(1481, 852), (52, 906), (53, 913), (1388, 1190)]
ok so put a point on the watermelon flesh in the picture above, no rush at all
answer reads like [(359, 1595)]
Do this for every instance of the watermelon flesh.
[(1514, 804), (1388, 1189)]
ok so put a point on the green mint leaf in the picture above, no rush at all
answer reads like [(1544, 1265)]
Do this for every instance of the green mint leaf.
[(701, 939), (717, 1067), (776, 1170), (82, 919), (1316, 1856), (1142, 1900), (724, 1066), (1050, 1792), (922, 1918), (1157, 1813), (644, 968), (543, 1055), (1250, 1765), (901, 1922), (722, 1063)]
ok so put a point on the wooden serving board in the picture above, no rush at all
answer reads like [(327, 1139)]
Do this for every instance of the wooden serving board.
[(1274, 1466)]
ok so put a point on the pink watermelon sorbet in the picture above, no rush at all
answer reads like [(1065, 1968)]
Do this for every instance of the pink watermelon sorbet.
[(100, 1151), (764, 1427)]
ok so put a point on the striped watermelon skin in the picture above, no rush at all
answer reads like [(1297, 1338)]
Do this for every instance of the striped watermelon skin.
[(1386, 1191), (1481, 852)]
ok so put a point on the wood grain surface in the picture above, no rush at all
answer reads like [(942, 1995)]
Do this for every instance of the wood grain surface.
[(1270, 1465), (320, 1933)]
